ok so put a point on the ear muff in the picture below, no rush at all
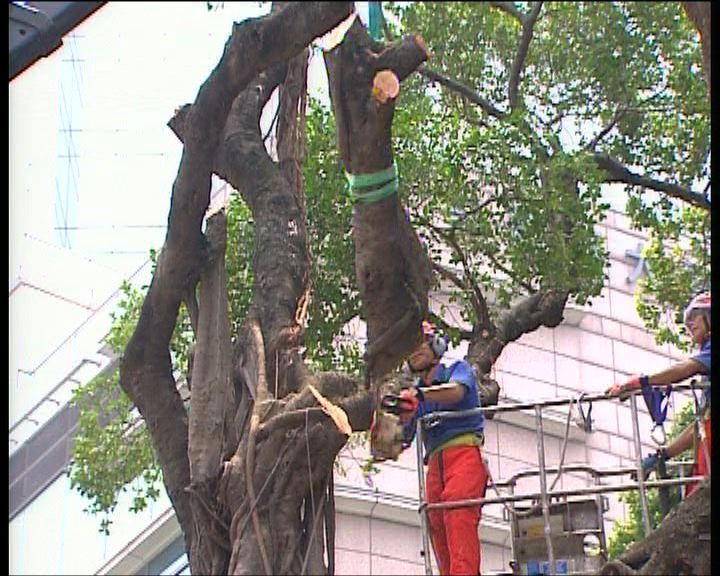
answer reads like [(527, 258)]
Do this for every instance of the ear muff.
[(438, 344)]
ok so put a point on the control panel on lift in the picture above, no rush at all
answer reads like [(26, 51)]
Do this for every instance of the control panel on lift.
[(576, 531)]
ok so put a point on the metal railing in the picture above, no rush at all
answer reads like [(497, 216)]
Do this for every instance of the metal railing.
[(544, 496)]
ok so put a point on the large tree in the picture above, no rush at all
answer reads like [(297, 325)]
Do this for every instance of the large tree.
[(502, 142)]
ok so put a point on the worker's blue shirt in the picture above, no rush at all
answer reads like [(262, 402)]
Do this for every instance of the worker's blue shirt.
[(447, 428), (704, 358)]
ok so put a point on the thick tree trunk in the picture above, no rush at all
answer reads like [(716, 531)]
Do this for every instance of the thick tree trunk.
[(680, 545), (146, 370), (272, 495)]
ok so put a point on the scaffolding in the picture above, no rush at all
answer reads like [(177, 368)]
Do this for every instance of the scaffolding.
[(543, 500)]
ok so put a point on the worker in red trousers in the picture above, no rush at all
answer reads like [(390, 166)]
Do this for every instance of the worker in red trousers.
[(456, 470)]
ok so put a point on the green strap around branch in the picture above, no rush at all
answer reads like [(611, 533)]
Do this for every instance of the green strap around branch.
[(373, 187)]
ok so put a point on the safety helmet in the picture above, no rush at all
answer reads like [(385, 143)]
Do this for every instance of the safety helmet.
[(431, 335), (700, 302)]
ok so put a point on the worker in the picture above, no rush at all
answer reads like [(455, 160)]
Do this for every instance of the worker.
[(697, 320), (456, 470)]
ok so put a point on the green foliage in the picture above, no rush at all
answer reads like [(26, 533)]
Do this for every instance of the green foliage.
[(678, 258), (626, 533), (113, 452), (521, 193), (334, 300)]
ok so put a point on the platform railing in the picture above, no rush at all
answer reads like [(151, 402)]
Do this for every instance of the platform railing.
[(544, 496)]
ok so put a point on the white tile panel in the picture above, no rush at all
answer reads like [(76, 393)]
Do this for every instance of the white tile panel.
[(567, 341), (595, 348), (526, 361), (569, 375), (622, 305), (598, 440), (352, 532), (611, 328), (541, 338), (493, 558), (382, 565), (631, 360), (517, 444), (621, 446), (351, 562), (386, 538), (600, 304), (591, 323), (522, 387)]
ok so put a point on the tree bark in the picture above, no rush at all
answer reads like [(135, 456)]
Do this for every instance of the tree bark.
[(700, 13), (146, 370), (680, 545), (393, 272)]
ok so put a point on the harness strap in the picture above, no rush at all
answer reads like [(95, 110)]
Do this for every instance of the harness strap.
[(656, 401)]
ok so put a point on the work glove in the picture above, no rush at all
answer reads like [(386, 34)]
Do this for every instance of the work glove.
[(650, 462), (623, 390), (409, 403)]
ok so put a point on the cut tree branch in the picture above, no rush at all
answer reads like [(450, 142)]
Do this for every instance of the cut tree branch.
[(544, 308)]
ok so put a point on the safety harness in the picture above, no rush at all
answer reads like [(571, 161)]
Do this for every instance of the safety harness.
[(657, 401)]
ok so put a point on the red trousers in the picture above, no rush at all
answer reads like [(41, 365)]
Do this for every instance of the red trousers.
[(456, 473), (702, 466)]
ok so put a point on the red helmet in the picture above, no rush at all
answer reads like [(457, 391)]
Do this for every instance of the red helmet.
[(437, 341), (700, 302)]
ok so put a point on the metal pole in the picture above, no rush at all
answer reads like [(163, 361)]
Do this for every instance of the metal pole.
[(423, 509), (601, 517), (543, 487), (561, 493), (513, 407), (638, 463)]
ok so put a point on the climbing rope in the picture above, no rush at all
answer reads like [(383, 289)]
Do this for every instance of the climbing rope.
[(373, 187)]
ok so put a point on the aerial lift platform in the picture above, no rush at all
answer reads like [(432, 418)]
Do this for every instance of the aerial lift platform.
[(553, 531)]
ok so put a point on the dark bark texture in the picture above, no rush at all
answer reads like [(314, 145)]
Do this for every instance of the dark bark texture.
[(680, 545), (700, 13)]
